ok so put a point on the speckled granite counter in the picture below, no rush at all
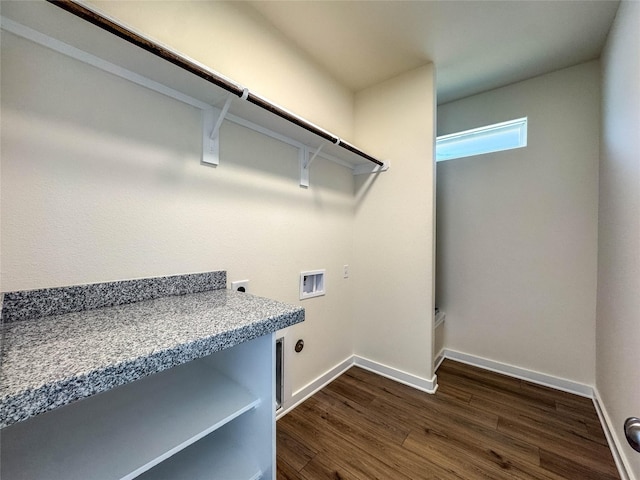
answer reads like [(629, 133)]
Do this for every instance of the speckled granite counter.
[(52, 361)]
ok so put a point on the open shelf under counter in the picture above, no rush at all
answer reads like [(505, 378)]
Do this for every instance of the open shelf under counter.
[(125, 431), (219, 456), (133, 383)]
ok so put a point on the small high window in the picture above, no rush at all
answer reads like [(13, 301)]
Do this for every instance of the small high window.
[(491, 138)]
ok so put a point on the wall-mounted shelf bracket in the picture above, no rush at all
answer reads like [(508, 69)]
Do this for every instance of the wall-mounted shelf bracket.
[(212, 119), (288, 128), (138, 50), (306, 159), (371, 168), (306, 156)]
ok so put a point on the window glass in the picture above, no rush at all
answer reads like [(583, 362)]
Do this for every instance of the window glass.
[(491, 138)]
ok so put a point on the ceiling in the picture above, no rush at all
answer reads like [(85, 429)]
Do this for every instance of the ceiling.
[(476, 45)]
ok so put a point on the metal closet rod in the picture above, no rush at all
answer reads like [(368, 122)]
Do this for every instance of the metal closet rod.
[(158, 50)]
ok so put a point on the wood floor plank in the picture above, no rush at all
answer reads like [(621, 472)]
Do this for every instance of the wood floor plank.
[(380, 385), (463, 467), (553, 413), (352, 391), (322, 467), (547, 419), (284, 471), (471, 434), (361, 468), (556, 395), (457, 428), (473, 460), (392, 431), (340, 441), (298, 425), (397, 462), (400, 396), (451, 391), (424, 413), (496, 392), (487, 377), (362, 437), (583, 412), (596, 433), (572, 469), (293, 451), (570, 446), (478, 425)]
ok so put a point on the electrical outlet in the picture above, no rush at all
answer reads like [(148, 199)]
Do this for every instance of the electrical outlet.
[(345, 271), (240, 286)]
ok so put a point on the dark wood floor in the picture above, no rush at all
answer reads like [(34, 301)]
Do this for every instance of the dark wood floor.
[(478, 425)]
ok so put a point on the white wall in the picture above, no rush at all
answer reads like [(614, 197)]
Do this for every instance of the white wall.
[(618, 312), (101, 181), (393, 269), (517, 230), (235, 40)]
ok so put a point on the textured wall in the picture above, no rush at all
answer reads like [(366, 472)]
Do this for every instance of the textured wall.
[(393, 272), (101, 181), (517, 230), (618, 320)]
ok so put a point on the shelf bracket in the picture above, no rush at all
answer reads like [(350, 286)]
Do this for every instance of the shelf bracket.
[(212, 119), (371, 168), (305, 163)]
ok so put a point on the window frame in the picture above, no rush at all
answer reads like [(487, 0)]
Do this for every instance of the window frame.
[(475, 135)]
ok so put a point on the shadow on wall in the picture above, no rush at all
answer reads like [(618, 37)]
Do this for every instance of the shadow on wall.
[(362, 187)]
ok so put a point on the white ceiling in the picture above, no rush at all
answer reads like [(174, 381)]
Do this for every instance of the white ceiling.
[(475, 45)]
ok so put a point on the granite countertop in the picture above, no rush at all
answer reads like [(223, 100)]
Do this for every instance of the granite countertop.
[(52, 361)]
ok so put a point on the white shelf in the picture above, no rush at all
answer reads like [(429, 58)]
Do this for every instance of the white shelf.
[(61, 31), (218, 456), (126, 431)]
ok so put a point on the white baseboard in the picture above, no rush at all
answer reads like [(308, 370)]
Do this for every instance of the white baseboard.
[(559, 384), (419, 383), (308, 390), (617, 450), (429, 386), (439, 359), (521, 373)]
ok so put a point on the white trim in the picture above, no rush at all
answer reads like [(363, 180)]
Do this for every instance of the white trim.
[(617, 450), (438, 361), (283, 138), (522, 373), (419, 383), (316, 385), (477, 137), (97, 62), (365, 169), (210, 157), (430, 386), (485, 128)]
